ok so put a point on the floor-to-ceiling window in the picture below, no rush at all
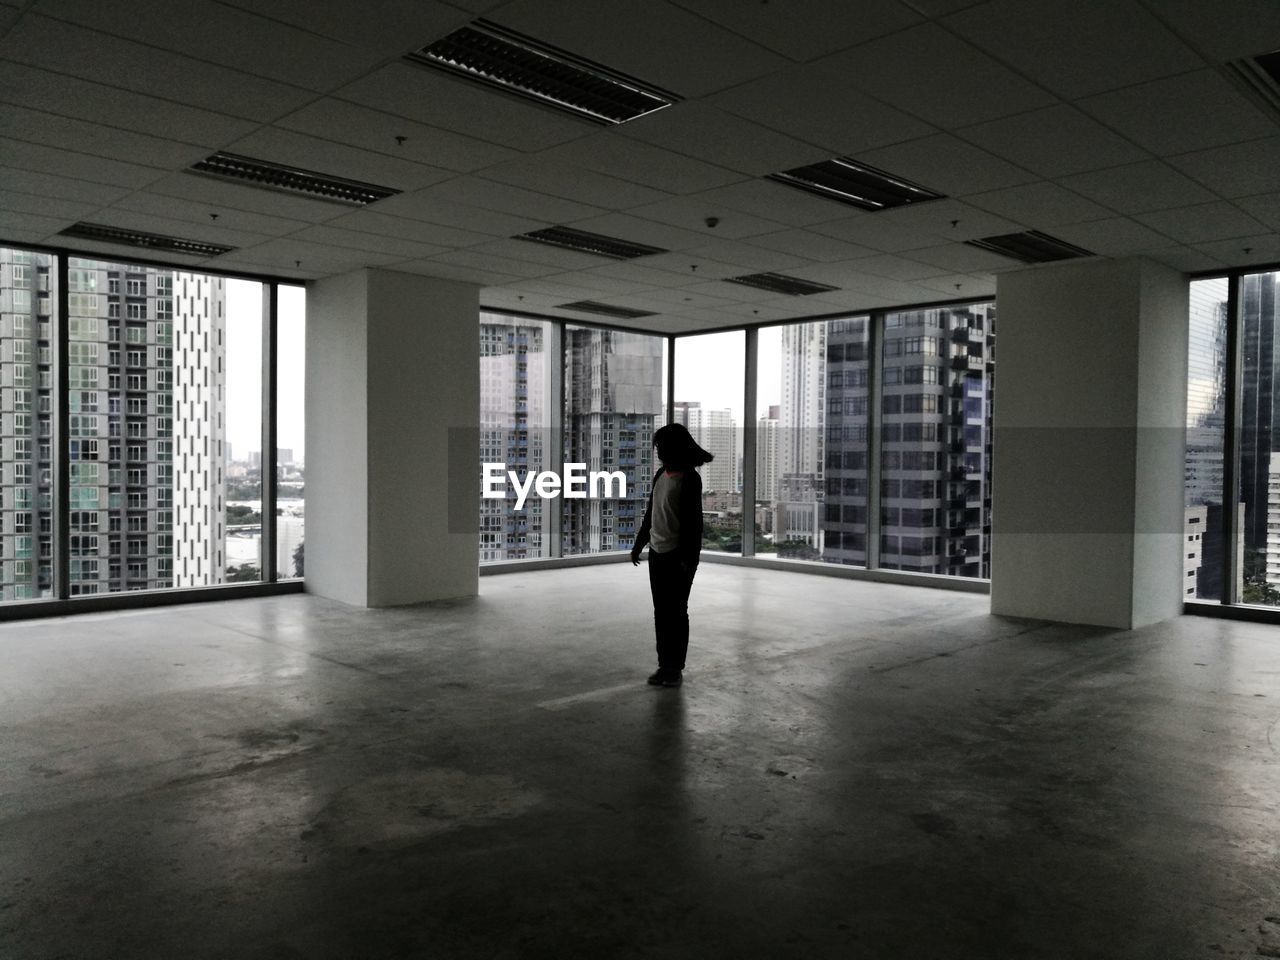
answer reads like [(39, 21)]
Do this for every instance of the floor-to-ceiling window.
[(1206, 425), (291, 431)]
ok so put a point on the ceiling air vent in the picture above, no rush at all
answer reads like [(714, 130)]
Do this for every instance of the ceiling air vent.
[(606, 310), (583, 242), (292, 180), (1259, 77), (777, 283), (1031, 246), (150, 241), (502, 58), (856, 184)]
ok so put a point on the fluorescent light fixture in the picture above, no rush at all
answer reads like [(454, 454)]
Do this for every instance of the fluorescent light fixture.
[(605, 309), (149, 241), (856, 184), (491, 54), (777, 283), (291, 180), (1031, 246), (601, 246)]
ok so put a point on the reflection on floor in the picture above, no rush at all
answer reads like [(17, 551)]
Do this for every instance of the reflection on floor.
[(851, 769)]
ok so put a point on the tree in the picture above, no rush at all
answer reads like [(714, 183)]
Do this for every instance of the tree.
[(798, 550), (245, 573), (297, 559)]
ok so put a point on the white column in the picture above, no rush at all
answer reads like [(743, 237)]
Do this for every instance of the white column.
[(393, 383), (1090, 411)]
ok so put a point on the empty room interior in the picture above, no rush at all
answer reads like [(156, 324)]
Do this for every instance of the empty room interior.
[(339, 544)]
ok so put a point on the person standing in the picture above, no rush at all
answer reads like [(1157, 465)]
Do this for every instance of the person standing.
[(672, 528)]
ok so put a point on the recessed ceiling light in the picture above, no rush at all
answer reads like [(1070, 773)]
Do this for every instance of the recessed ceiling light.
[(605, 309), (292, 180), (149, 241), (569, 239), (1259, 77), (1031, 246), (493, 55), (777, 283), (854, 183)]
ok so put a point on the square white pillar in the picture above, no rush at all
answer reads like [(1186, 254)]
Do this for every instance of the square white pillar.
[(393, 376), (1090, 412)]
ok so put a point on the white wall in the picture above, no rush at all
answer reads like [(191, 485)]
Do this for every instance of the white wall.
[(336, 437), (1089, 398)]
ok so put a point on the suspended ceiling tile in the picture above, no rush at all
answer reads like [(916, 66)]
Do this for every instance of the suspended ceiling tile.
[(817, 103), (230, 263), (41, 184), (66, 48), (35, 126), (1263, 207), (451, 271), (1116, 237), (359, 240), (635, 271), (934, 75), (194, 211), (948, 219), (1245, 251), (948, 165), (369, 129), (18, 227), (653, 41), (1180, 114), (729, 292), (629, 159), (1187, 259), (1139, 187), (335, 159), (961, 258), (695, 300), (504, 198), (715, 136), (573, 183), (778, 202), (604, 284), (1245, 28), (86, 100), (464, 219), (820, 27), (961, 285), (746, 255), (399, 25), (77, 166), (1203, 223), (563, 290), (1079, 48), (692, 213), (685, 268), (1039, 205), (219, 194), (809, 245), (625, 226), (287, 252), (894, 268), (56, 207), (481, 259), (869, 231), (1054, 141), (432, 98), (1238, 170), (554, 259)]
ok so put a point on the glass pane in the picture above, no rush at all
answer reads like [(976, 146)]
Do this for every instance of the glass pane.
[(1206, 432), (1259, 433), (515, 417), (709, 393), (612, 403), (935, 481), (163, 374), (811, 441), (28, 310), (291, 331)]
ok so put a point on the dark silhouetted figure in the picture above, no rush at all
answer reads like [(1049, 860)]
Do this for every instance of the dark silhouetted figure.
[(672, 528)]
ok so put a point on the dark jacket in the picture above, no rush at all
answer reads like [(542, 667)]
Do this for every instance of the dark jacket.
[(689, 510)]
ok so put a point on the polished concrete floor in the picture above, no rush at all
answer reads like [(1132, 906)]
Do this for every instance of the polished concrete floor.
[(851, 770)]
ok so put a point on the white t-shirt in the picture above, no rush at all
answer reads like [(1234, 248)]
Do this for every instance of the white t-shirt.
[(664, 521)]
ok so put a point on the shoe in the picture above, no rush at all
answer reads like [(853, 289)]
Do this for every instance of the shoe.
[(666, 678)]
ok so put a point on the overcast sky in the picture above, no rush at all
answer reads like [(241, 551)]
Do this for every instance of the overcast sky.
[(709, 368), (244, 368)]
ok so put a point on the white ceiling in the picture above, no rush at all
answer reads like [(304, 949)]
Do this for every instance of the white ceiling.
[(1111, 124)]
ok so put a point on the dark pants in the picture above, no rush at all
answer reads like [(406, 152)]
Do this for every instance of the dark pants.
[(670, 584)]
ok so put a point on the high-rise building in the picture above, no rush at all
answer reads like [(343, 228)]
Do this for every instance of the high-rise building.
[(515, 402), (1259, 400), (715, 431), (613, 400), (800, 434), (146, 426), (767, 457)]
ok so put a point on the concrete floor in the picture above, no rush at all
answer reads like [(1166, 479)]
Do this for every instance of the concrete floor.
[(851, 770)]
